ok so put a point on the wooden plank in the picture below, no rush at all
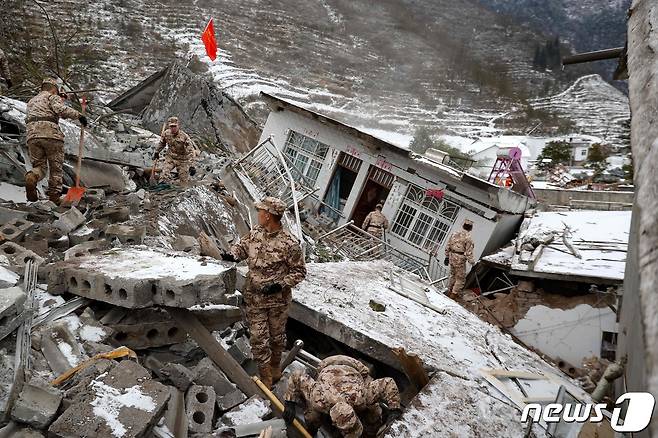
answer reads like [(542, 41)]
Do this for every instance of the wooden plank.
[(214, 350)]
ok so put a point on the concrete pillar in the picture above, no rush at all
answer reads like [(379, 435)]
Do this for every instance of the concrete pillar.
[(639, 334)]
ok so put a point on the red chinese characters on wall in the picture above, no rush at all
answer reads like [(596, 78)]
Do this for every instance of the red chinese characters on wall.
[(434, 193), (351, 150), (383, 164)]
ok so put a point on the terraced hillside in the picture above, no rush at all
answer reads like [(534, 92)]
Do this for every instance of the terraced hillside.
[(387, 65)]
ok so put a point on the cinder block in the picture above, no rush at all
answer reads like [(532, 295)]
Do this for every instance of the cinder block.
[(45, 236), (19, 256), (200, 406), (37, 404), (127, 234), (15, 229), (69, 221), (179, 375), (86, 249), (240, 350), (84, 234), (114, 214)]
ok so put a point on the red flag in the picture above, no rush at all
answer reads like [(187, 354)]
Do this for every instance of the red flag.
[(208, 38)]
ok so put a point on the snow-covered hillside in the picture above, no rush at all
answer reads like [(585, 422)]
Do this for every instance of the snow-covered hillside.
[(595, 106), (388, 66)]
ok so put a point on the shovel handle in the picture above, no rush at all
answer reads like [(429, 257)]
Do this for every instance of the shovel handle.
[(81, 146)]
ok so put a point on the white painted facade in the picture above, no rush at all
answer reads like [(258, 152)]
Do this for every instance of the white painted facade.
[(495, 212), (571, 335)]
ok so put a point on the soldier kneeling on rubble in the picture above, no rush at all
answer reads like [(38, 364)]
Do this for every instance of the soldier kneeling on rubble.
[(345, 393), (181, 151), (45, 141)]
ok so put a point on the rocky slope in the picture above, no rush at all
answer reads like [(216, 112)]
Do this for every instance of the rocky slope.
[(388, 65)]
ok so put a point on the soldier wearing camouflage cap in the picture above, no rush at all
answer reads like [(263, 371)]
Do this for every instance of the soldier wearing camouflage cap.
[(459, 250), (345, 393), (45, 141), (276, 265), (180, 153)]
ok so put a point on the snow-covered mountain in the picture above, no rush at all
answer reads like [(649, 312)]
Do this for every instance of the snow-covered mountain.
[(385, 65)]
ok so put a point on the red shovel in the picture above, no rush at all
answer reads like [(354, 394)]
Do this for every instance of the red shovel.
[(75, 193)]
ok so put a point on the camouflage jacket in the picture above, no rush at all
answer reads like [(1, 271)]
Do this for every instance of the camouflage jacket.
[(340, 378), (272, 258), (375, 219), (4, 66), (181, 146), (43, 113), (461, 242)]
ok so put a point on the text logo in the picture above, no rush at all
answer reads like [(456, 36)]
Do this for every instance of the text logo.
[(638, 413)]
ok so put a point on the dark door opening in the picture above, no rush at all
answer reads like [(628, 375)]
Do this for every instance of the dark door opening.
[(374, 191), (341, 185)]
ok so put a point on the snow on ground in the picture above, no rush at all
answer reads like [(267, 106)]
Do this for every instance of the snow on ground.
[(142, 263), (250, 412), (454, 341), (109, 401), (600, 238)]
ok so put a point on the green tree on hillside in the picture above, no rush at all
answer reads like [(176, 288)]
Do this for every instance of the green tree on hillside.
[(559, 152)]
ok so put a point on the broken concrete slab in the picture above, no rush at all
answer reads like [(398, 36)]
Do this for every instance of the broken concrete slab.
[(241, 350), (19, 256), (8, 214), (114, 214), (176, 415), (228, 396), (251, 411), (185, 243), (124, 402), (45, 236), (147, 328), (139, 277), (179, 375), (37, 404), (69, 220), (254, 429), (86, 249), (127, 234), (8, 278), (84, 234), (60, 347), (200, 407), (12, 323), (14, 430), (11, 302), (14, 229)]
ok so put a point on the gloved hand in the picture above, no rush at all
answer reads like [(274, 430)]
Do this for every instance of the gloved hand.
[(83, 120), (446, 261), (228, 257), (9, 83), (272, 289), (393, 415), (289, 412)]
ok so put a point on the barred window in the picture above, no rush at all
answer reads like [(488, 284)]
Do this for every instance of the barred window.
[(424, 221), (306, 155)]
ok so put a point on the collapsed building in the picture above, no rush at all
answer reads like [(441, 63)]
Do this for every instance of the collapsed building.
[(126, 325)]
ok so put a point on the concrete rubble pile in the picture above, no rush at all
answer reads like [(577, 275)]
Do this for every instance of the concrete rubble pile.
[(106, 285)]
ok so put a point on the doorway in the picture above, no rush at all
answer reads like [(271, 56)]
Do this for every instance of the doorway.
[(341, 185), (375, 191)]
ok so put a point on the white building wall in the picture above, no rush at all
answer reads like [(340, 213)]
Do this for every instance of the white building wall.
[(571, 335), (278, 125)]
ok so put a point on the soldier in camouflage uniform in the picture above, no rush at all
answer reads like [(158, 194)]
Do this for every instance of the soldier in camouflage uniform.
[(346, 393), (459, 250), (5, 76), (180, 153), (376, 223), (276, 265), (45, 141)]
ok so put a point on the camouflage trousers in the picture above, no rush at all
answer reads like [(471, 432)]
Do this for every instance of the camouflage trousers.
[(48, 154), (457, 274), (183, 167), (350, 420), (268, 331)]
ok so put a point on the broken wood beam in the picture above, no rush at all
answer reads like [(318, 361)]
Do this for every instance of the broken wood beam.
[(214, 350)]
